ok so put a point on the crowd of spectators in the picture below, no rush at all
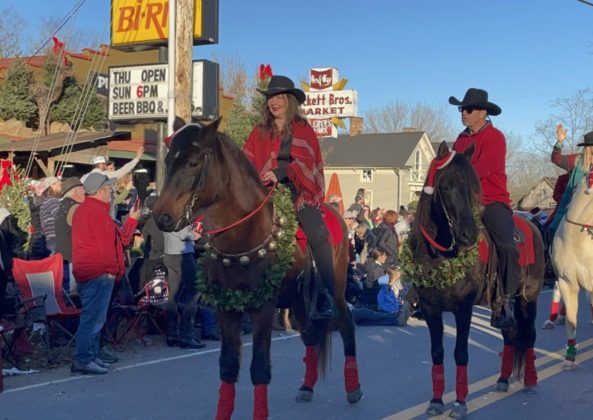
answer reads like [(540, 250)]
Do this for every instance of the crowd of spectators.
[(375, 289), (112, 250)]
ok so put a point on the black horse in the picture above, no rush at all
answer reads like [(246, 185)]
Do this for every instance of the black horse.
[(209, 177), (446, 228)]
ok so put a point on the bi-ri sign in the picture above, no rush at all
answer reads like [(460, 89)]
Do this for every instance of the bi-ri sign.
[(141, 92)]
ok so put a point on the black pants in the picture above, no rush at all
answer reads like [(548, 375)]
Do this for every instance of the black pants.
[(312, 223), (183, 293), (498, 221)]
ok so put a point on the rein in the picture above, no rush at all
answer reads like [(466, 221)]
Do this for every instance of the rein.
[(584, 226), (247, 217), (432, 241)]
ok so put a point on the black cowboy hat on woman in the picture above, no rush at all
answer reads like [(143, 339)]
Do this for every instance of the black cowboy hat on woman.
[(489, 161), (284, 148)]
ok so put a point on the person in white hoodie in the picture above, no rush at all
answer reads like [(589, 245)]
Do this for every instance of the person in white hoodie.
[(100, 163)]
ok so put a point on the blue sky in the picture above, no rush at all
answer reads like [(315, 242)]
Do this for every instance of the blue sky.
[(524, 52)]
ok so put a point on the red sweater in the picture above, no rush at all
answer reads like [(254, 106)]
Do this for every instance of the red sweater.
[(489, 162), (97, 242)]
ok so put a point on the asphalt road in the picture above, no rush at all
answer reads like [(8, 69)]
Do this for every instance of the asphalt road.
[(156, 382)]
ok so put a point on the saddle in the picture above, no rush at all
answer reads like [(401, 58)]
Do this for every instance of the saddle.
[(332, 224), (523, 236)]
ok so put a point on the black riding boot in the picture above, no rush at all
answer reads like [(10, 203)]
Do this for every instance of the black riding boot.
[(317, 234), (503, 313)]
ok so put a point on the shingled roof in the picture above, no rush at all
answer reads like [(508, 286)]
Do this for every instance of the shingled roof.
[(384, 150)]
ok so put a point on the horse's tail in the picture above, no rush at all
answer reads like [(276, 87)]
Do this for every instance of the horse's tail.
[(324, 350)]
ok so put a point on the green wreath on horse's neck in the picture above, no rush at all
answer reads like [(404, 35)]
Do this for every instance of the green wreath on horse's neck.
[(448, 272), (231, 300)]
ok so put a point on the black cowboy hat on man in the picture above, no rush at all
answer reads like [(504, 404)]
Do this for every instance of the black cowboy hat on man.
[(477, 99), (587, 140), (282, 84)]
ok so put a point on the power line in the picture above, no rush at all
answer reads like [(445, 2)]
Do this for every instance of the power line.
[(61, 24)]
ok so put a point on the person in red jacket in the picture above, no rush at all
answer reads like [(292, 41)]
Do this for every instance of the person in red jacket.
[(97, 262), (284, 148), (488, 160)]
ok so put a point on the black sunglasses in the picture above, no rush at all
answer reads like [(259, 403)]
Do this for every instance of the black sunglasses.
[(469, 109)]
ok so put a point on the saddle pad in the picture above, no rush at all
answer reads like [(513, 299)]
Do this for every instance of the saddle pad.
[(332, 223), (525, 247)]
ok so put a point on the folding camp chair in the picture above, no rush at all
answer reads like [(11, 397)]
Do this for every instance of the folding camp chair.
[(45, 277)]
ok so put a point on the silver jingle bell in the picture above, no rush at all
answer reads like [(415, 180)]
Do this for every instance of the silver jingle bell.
[(262, 253), (226, 262), (244, 260), (279, 234), (207, 246), (272, 245), (213, 256), (281, 221)]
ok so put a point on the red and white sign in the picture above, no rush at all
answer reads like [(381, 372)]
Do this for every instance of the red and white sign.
[(324, 128), (323, 79), (326, 99), (334, 103)]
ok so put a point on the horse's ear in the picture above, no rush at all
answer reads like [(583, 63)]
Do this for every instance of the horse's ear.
[(468, 153), (443, 150), (209, 133)]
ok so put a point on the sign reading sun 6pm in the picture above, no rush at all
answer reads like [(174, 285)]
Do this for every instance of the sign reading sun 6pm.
[(327, 102), (140, 92)]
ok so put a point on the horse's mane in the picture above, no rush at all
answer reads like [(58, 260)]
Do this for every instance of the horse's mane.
[(226, 148), (423, 212)]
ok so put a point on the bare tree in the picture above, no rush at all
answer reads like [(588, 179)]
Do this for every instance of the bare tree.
[(434, 120), (73, 37), (11, 30), (575, 113)]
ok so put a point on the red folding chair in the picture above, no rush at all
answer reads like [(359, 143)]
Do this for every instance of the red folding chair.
[(37, 278)]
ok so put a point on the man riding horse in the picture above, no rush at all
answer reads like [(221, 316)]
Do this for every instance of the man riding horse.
[(488, 160)]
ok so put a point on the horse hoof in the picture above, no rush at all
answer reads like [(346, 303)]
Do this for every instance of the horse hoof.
[(459, 411), (304, 395), (354, 396), (502, 386), (435, 408), (548, 325), (569, 365), (529, 389)]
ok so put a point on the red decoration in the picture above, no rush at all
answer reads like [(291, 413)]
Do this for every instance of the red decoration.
[(58, 45), (265, 72)]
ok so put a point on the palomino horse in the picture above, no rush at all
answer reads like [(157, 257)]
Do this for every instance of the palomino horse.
[(572, 249), (209, 177), (446, 229)]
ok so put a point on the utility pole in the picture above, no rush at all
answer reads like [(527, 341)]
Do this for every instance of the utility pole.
[(183, 58)]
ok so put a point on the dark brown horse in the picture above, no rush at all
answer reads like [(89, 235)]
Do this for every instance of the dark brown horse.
[(448, 220), (208, 176)]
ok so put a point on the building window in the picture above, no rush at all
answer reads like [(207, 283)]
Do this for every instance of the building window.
[(366, 175), (418, 161)]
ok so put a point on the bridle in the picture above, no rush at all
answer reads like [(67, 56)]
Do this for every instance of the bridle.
[(432, 241), (201, 187)]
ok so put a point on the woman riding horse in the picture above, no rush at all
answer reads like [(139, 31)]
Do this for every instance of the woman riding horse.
[(252, 259), (284, 148)]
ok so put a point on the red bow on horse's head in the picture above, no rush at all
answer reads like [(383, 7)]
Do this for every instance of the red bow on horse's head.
[(435, 165)]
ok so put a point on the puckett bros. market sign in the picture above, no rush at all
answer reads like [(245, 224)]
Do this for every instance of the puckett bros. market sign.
[(140, 92), (327, 102)]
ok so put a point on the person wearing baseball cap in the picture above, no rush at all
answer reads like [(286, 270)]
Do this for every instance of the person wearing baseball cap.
[(101, 162), (97, 263)]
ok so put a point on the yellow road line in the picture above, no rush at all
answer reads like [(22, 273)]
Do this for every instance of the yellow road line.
[(484, 400)]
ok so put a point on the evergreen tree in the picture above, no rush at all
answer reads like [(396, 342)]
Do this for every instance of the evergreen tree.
[(12, 197), (16, 98), (70, 107), (243, 117)]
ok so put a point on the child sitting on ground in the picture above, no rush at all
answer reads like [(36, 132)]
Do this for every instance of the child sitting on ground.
[(392, 309)]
